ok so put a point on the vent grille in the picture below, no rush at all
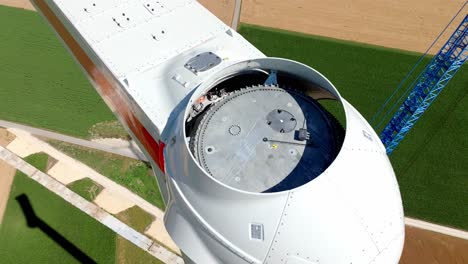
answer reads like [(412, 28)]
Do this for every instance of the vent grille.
[(256, 232)]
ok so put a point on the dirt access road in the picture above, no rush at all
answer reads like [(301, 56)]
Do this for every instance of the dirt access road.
[(426, 247)]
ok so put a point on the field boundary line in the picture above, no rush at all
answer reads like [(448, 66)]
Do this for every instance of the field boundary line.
[(129, 152)]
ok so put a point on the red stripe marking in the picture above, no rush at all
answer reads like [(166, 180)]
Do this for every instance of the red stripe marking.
[(107, 88)]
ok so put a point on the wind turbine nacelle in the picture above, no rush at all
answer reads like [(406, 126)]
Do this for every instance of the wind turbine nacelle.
[(259, 160), (246, 187)]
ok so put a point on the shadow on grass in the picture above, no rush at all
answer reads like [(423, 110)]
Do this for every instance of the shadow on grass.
[(436, 127), (34, 221)]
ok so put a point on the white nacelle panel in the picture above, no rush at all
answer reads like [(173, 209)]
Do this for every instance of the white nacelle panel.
[(158, 7), (364, 178), (374, 202), (113, 22), (120, 18), (82, 10), (362, 134), (78, 11), (137, 47), (318, 227), (132, 36)]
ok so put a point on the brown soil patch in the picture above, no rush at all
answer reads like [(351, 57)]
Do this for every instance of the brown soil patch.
[(7, 174), (25, 4), (50, 163), (409, 25), (428, 247), (6, 137), (223, 9)]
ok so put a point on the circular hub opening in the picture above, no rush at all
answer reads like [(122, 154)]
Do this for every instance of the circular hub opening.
[(262, 147), (251, 133)]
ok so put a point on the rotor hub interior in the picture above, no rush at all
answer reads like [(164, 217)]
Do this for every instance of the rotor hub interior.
[(250, 139)]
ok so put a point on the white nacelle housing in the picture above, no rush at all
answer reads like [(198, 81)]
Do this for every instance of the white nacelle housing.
[(155, 64), (351, 213)]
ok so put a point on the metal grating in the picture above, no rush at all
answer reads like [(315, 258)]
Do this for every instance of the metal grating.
[(431, 82)]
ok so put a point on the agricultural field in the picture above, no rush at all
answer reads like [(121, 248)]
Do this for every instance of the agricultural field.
[(409, 25), (431, 162), (41, 84)]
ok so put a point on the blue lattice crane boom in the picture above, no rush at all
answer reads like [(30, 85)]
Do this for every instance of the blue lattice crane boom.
[(431, 82)]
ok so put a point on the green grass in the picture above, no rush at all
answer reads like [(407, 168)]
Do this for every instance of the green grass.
[(38, 161), (136, 218), (109, 129), (127, 253), (139, 220), (431, 162), (86, 188), (134, 175), (41, 84), (21, 244)]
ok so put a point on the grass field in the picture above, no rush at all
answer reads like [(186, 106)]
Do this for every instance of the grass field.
[(109, 129), (431, 162), (86, 188), (134, 175), (41, 84), (22, 244), (126, 251), (136, 218), (38, 161)]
